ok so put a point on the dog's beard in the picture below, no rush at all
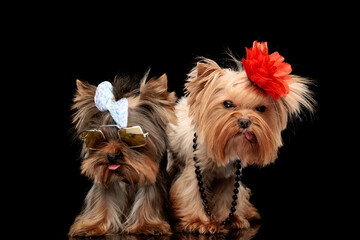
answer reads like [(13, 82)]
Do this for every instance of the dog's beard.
[(97, 168), (256, 145), (135, 168)]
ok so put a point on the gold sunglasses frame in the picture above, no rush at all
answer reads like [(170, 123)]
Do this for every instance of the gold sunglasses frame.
[(117, 126)]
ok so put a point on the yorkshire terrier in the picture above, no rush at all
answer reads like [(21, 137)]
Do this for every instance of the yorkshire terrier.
[(229, 118), (123, 128)]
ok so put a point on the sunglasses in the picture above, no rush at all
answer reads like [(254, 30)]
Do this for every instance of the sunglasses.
[(133, 136)]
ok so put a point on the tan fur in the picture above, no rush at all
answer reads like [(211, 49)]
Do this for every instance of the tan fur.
[(221, 141), (112, 205)]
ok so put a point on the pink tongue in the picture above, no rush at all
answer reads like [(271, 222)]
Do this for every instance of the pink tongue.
[(114, 166), (249, 136)]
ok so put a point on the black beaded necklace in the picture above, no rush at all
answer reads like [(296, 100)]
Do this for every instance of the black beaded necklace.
[(202, 189)]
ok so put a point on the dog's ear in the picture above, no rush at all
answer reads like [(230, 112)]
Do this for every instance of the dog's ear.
[(204, 73), (205, 69), (84, 104), (157, 88), (300, 97), (84, 91), (154, 97)]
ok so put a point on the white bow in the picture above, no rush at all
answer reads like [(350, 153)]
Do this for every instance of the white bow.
[(105, 101)]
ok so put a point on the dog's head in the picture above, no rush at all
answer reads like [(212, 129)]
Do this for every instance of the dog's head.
[(235, 118), (132, 153)]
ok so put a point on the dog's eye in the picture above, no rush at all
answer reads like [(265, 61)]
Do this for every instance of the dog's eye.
[(261, 109), (228, 104)]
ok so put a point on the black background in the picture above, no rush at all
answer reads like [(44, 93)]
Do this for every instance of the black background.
[(298, 196)]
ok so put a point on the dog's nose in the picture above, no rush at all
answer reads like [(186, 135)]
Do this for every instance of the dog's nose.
[(244, 123), (112, 157)]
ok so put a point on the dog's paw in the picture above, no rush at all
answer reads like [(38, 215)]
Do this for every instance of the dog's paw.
[(82, 229), (201, 227), (239, 223), (161, 228)]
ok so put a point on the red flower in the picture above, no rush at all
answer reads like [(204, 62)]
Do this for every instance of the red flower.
[(268, 72)]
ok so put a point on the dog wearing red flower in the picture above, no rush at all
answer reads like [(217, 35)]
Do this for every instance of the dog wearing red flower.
[(229, 119)]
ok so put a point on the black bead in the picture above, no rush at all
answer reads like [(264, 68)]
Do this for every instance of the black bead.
[(201, 189), (231, 215), (206, 207), (203, 195), (237, 178), (237, 172), (197, 171), (232, 209), (200, 183), (235, 197), (238, 165), (194, 140), (195, 134), (228, 220), (236, 191), (199, 176), (223, 223), (234, 203), (236, 185), (208, 213), (205, 201), (195, 159), (238, 161), (194, 146)]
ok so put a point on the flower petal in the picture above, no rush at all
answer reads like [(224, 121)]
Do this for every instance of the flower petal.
[(268, 72)]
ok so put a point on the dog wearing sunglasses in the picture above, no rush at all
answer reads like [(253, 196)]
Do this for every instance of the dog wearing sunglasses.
[(229, 119), (122, 126)]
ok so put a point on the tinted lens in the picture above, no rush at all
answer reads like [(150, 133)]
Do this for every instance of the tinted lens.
[(133, 136), (94, 140)]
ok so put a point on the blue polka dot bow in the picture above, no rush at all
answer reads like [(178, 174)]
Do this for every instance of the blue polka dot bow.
[(105, 101)]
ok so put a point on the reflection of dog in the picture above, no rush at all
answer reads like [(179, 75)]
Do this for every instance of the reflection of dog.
[(238, 234), (123, 147), (237, 116), (243, 234)]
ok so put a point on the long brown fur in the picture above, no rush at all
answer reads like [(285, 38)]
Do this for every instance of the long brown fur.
[(221, 141), (130, 199)]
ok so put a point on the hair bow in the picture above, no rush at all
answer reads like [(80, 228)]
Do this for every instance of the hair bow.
[(105, 101)]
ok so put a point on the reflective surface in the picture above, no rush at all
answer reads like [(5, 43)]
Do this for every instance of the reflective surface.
[(232, 235)]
